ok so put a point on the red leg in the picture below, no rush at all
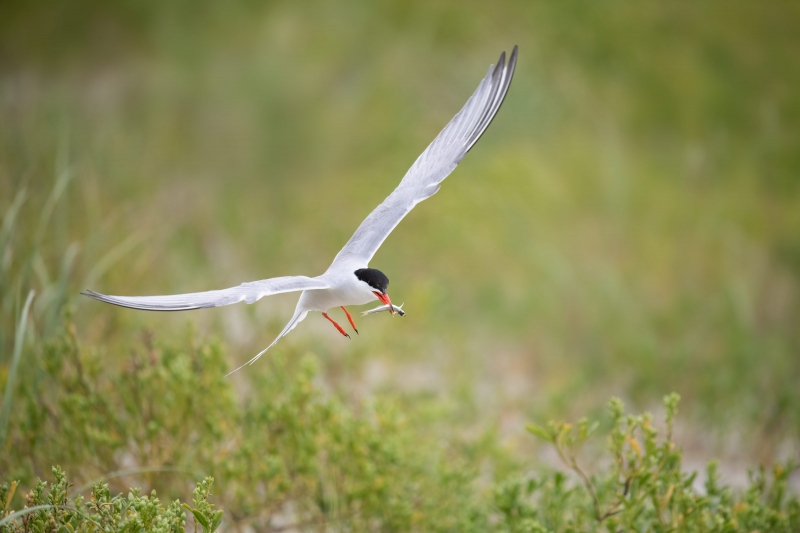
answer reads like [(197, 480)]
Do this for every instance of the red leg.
[(350, 318), (343, 332)]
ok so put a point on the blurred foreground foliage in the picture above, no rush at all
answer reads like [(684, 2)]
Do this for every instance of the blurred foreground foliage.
[(288, 453), (292, 456)]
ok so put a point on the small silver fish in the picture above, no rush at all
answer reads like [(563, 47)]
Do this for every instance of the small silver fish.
[(397, 309)]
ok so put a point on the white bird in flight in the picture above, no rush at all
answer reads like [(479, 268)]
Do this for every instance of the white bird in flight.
[(349, 280)]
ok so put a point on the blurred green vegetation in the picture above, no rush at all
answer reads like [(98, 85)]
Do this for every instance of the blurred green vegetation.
[(283, 455), (289, 457), (628, 226)]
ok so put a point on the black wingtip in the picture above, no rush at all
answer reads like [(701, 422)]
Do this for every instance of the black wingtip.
[(512, 60), (498, 95), (501, 64), (97, 296), (94, 295)]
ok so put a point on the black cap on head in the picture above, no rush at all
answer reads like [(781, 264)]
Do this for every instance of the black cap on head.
[(374, 278)]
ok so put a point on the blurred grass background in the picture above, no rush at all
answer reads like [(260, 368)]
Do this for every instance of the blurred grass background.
[(629, 225)]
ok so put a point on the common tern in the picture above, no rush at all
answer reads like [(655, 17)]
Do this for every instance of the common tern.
[(349, 280)]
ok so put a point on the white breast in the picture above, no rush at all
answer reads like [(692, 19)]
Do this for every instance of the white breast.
[(346, 289)]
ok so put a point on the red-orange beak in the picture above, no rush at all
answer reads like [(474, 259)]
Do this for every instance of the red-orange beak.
[(384, 298)]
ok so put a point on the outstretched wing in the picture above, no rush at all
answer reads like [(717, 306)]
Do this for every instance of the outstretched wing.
[(434, 165), (247, 292)]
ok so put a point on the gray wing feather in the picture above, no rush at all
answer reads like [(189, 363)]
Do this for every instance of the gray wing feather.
[(247, 292), (424, 177)]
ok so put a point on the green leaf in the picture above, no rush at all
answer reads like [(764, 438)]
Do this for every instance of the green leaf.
[(198, 515), (540, 432), (216, 521)]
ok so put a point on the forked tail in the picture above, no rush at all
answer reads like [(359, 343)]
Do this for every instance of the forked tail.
[(299, 315)]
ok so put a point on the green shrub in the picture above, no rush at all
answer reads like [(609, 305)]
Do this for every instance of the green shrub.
[(291, 455), (50, 509), (643, 487), (286, 453)]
